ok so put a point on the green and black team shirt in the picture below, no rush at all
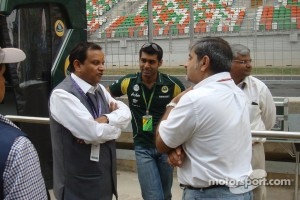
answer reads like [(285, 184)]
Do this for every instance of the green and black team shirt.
[(165, 89)]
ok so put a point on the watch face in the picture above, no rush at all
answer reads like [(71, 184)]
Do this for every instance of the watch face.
[(171, 104)]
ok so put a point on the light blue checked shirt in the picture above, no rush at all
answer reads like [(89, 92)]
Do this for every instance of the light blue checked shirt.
[(22, 177)]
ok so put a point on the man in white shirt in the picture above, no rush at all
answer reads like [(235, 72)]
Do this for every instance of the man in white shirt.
[(206, 122), (262, 108), (85, 121)]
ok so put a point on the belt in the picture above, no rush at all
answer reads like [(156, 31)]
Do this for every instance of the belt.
[(201, 188)]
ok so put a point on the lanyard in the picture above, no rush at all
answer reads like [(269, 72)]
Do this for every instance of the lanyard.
[(96, 112), (150, 100)]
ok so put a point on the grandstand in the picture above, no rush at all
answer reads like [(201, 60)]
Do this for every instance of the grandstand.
[(95, 9), (172, 17), (269, 28), (278, 17)]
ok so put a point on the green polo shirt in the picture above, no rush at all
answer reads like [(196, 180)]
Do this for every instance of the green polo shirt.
[(165, 89)]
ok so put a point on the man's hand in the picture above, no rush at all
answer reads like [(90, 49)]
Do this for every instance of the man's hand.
[(113, 106), (176, 157), (102, 119)]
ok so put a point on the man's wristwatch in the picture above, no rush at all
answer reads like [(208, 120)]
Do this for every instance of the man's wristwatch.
[(171, 104)]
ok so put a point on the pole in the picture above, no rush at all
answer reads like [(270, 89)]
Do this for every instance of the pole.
[(191, 25), (150, 21)]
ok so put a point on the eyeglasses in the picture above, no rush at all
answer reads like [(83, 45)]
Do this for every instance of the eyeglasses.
[(242, 62), (153, 45)]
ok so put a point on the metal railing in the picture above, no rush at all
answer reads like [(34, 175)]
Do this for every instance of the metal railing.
[(267, 134), (26, 119)]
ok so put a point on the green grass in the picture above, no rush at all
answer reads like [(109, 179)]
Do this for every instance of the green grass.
[(276, 71), (182, 71), (122, 71)]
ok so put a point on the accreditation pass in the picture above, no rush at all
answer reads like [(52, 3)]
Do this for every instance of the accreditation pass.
[(95, 152)]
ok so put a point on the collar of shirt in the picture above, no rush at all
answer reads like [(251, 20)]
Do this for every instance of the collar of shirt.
[(159, 81), (86, 87), (7, 121), (213, 78), (244, 82), (242, 85)]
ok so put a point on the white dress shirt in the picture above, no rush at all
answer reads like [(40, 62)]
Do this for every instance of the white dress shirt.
[(262, 108), (212, 124), (67, 110)]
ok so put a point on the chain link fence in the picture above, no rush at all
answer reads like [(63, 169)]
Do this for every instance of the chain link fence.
[(270, 30)]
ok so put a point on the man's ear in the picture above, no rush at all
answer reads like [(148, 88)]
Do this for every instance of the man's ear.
[(160, 63), (204, 63), (76, 65)]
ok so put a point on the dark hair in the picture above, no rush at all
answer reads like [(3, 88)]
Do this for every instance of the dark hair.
[(79, 52), (152, 48), (217, 49)]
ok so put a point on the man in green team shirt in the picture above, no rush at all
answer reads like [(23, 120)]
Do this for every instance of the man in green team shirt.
[(149, 92)]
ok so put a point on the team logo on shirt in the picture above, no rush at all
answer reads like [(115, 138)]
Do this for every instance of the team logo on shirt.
[(164, 89), (136, 87), (135, 95)]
